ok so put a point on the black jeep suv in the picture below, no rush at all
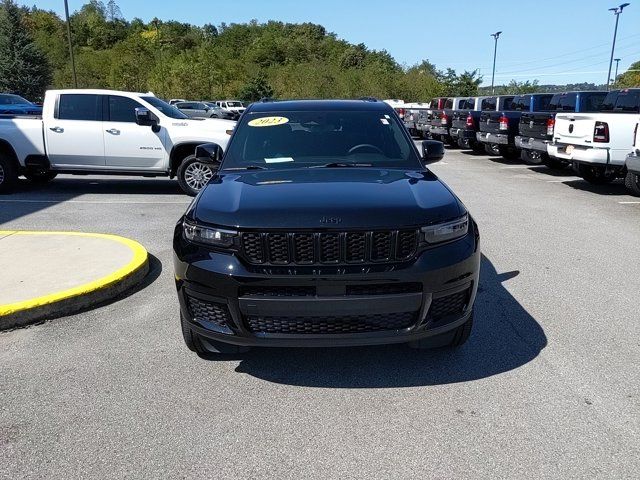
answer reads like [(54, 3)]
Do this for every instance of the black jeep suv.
[(323, 227)]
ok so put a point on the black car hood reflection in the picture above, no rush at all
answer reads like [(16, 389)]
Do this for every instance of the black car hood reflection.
[(338, 198)]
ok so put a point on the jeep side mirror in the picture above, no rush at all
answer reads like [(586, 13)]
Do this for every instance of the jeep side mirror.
[(209, 153), (432, 151)]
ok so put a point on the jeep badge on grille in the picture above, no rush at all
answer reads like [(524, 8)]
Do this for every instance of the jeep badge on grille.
[(331, 220)]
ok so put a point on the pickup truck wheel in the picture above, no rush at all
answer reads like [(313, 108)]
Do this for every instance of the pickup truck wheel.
[(509, 153), (491, 149), (40, 178), (632, 182), (193, 175), (595, 175), (534, 157), (8, 174)]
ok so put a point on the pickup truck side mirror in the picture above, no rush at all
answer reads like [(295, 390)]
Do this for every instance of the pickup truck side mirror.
[(432, 151), (209, 153), (146, 118)]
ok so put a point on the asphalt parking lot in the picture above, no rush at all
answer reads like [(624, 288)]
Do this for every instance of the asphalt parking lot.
[(547, 386)]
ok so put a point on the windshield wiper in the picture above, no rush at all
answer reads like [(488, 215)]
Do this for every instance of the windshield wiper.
[(248, 167), (342, 165)]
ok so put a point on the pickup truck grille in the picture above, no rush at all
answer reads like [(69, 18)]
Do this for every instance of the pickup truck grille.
[(327, 248)]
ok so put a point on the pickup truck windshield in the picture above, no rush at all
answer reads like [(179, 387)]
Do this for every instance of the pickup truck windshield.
[(168, 110), (9, 99), (234, 104), (312, 139)]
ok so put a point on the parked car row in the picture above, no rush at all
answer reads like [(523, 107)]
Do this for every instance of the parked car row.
[(227, 109), (595, 132)]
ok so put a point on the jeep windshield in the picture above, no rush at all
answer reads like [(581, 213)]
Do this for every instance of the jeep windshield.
[(315, 139)]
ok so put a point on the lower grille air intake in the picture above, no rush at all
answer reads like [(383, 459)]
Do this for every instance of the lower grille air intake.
[(331, 324), (449, 305)]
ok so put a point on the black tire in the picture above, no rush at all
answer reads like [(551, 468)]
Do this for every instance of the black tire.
[(189, 179), (491, 149), (508, 152), (40, 178), (632, 182), (595, 175), (8, 174), (208, 346), (454, 339), (534, 157), (554, 163), (463, 143)]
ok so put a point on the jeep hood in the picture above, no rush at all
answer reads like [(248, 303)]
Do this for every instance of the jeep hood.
[(338, 198)]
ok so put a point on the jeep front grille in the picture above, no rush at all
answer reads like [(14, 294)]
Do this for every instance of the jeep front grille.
[(327, 248)]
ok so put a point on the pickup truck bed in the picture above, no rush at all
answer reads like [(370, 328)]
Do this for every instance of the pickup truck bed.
[(502, 127)]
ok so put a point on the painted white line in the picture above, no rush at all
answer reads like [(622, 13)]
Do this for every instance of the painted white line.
[(556, 181), (106, 202), (514, 166), (629, 203)]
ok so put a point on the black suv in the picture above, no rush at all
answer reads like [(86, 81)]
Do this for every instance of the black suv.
[(323, 227)]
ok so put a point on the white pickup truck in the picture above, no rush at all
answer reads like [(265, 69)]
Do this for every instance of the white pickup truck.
[(597, 144), (107, 132), (632, 180)]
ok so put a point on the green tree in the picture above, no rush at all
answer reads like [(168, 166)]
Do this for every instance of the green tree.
[(256, 88), (521, 88), (467, 83), (630, 78), (24, 68)]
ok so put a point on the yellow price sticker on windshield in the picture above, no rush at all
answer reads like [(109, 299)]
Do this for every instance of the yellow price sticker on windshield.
[(268, 121)]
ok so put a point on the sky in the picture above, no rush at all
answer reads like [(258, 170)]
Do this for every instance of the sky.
[(561, 41)]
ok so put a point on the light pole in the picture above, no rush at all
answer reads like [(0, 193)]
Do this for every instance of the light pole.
[(73, 63), (616, 11), (495, 50), (615, 77)]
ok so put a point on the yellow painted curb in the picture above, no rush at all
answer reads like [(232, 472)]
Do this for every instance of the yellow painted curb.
[(140, 259)]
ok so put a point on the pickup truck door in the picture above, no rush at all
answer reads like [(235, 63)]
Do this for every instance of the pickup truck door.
[(128, 145), (73, 138)]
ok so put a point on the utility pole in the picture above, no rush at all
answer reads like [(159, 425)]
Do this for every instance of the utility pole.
[(616, 11), (495, 51), (73, 63), (615, 77)]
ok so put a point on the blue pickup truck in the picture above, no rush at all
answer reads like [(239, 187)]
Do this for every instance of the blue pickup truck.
[(536, 128), (500, 128), (11, 104)]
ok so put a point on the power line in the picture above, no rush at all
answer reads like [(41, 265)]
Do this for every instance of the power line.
[(541, 60), (565, 62), (566, 73)]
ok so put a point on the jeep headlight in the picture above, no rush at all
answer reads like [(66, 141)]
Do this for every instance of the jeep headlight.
[(443, 232), (209, 235)]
